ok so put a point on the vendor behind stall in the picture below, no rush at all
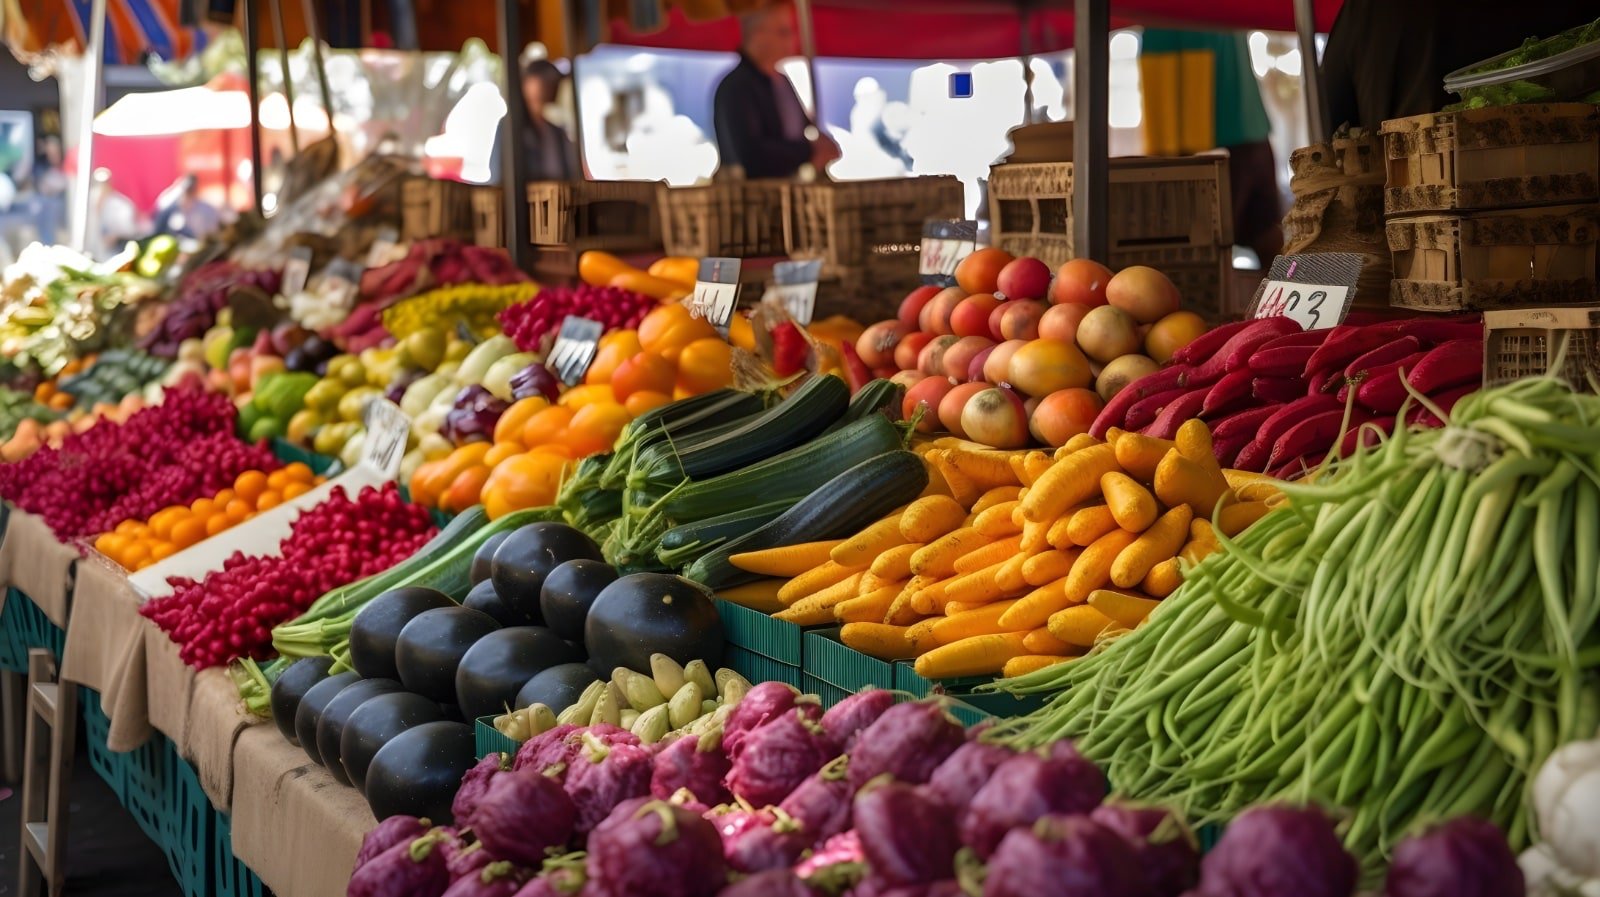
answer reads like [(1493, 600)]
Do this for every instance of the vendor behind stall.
[(548, 152), (761, 126), (1388, 58)]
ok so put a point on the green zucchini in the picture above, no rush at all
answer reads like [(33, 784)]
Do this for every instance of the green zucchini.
[(791, 475), (802, 416), (878, 395), (655, 458), (839, 508), (655, 449), (682, 544)]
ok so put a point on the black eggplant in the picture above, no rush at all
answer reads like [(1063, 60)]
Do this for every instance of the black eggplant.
[(431, 646), (418, 771), (527, 556), (330, 727), (569, 591), (495, 668), (377, 626), (648, 613), (557, 687), (309, 713), (483, 597), (374, 723), (291, 687)]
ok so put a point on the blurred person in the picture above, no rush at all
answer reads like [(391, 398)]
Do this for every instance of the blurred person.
[(1387, 59), (116, 217), (760, 124), (548, 152), (1200, 93), (181, 212)]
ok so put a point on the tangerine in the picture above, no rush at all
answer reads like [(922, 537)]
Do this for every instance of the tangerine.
[(216, 523), (268, 500), (188, 532), (705, 365), (295, 490), (646, 371), (595, 428), (546, 426), (250, 485), (299, 472)]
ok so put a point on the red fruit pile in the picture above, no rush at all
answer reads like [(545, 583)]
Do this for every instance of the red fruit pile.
[(532, 325), (231, 612), (84, 487)]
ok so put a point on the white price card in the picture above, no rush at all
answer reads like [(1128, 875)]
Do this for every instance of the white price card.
[(296, 271), (1314, 290), (944, 245), (383, 245), (575, 347), (716, 291), (387, 431), (795, 285)]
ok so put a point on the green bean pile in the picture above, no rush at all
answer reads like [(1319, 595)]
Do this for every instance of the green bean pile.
[(1405, 640)]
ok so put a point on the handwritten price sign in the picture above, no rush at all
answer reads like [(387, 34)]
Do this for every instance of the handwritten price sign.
[(575, 348), (1315, 290), (387, 431), (716, 291), (944, 245)]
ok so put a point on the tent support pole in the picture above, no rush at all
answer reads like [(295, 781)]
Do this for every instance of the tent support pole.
[(93, 80), (309, 11), (1091, 64), (252, 47), (514, 169), (1305, 23), (808, 46), (280, 38)]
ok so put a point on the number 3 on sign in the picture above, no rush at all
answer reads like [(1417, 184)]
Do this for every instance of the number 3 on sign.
[(1307, 305)]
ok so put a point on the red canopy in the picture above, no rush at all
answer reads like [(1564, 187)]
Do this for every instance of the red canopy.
[(967, 29)]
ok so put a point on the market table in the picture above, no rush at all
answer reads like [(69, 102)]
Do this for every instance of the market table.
[(34, 563)]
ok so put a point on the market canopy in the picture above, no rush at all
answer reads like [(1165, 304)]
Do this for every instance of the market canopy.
[(134, 28), (940, 29)]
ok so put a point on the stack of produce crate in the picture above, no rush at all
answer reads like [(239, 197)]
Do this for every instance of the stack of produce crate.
[(569, 218), (434, 208), (1169, 213), (1338, 207), (1494, 208)]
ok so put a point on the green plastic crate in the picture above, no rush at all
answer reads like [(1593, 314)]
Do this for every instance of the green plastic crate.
[(829, 693), (288, 453), (148, 778), (1001, 704), (759, 667), (229, 876), (111, 767), (755, 631), (966, 713), (14, 633), (838, 664), (489, 740), (186, 826), (907, 680)]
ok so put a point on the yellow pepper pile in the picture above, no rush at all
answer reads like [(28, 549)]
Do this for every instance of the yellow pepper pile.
[(472, 304)]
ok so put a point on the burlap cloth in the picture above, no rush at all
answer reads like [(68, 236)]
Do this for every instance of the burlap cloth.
[(292, 823), (215, 722), (34, 563)]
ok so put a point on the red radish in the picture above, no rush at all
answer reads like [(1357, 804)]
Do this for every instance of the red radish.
[(1024, 278), (1284, 361), (1394, 351), (1225, 392), (1144, 412), (1433, 332), (910, 346), (1384, 388), (1277, 389), (927, 393), (1244, 423), (1175, 412), (911, 306), (1291, 414), (1172, 377), (1208, 344), (1345, 344), (1446, 401), (1455, 363), (1365, 435), (971, 315), (876, 345), (1236, 352), (1313, 434), (1227, 449), (1300, 338)]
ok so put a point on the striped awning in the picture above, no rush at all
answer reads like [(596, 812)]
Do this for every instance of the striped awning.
[(134, 28)]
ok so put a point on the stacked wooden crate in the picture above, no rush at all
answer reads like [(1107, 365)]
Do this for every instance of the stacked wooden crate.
[(1494, 208), (434, 208), (1174, 214), (1338, 190)]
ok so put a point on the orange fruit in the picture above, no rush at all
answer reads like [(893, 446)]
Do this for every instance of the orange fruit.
[(250, 485), (299, 472), (646, 371), (595, 428), (216, 523), (644, 400), (502, 451), (670, 327), (135, 554), (269, 500), (545, 426), (239, 510), (295, 490), (145, 562), (162, 521), (188, 532), (162, 550), (588, 394), (203, 507), (528, 480), (464, 492), (615, 348), (509, 427), (980, 271), (704, 365), (277, 480), (222, 498), (112, 544), (597, 268), (126, 527)]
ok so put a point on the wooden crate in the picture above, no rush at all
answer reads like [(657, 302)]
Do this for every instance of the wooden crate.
[(732, 219), (1505, 259), (1523, 342), (434, 208), (856, 224), (616, 216), (1505, 157), (1154, 203)]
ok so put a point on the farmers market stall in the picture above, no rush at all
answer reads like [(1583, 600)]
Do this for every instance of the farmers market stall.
[(378, 567)]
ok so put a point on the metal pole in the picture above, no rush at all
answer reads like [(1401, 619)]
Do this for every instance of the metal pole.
[(808, 46), (1091, 64), (278, 34), (93, 78), (253, 66), (1305, 23), (514, 168), (310, 12), (569, 36), (1025, 53)]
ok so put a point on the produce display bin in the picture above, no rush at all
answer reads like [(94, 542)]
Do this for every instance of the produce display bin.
[(23, 625), (829, 693), (831, 661), (907, 680), (584, 215), (489, 740), (1000, 704), (1523, 342), (289, 453), (1494, 158), (186, 826), (1154, 203), (1504, 259), (760, 633), (110, 767), (760, 668), (148, 778), (433, 208), (229, 877), (733, 219)]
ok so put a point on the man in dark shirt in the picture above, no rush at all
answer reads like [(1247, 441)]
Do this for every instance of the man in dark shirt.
[(761, 126), (1388, 58)]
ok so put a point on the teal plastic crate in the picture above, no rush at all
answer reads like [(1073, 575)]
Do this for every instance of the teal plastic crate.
[(829, 693), (14, 633), (966, 713), (907, 680), (111, 767), (288, 453), (839, 665), (229, 876), (148, 778), (759, 667), (186, 826), (490, 740), (1001, 704), (755, 631)]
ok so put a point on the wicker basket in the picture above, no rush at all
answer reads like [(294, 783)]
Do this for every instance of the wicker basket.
[(734, 219), (850, 224), (1505, 259), (1523, 342), (617, 216), (433, 208)]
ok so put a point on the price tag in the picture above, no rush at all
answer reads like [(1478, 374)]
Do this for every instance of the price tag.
[(716, 291), (944, 244), (296, 271), (383, 245), (1314, 290), (574, 348), (795, 285), (340, 283), (387, 431)]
